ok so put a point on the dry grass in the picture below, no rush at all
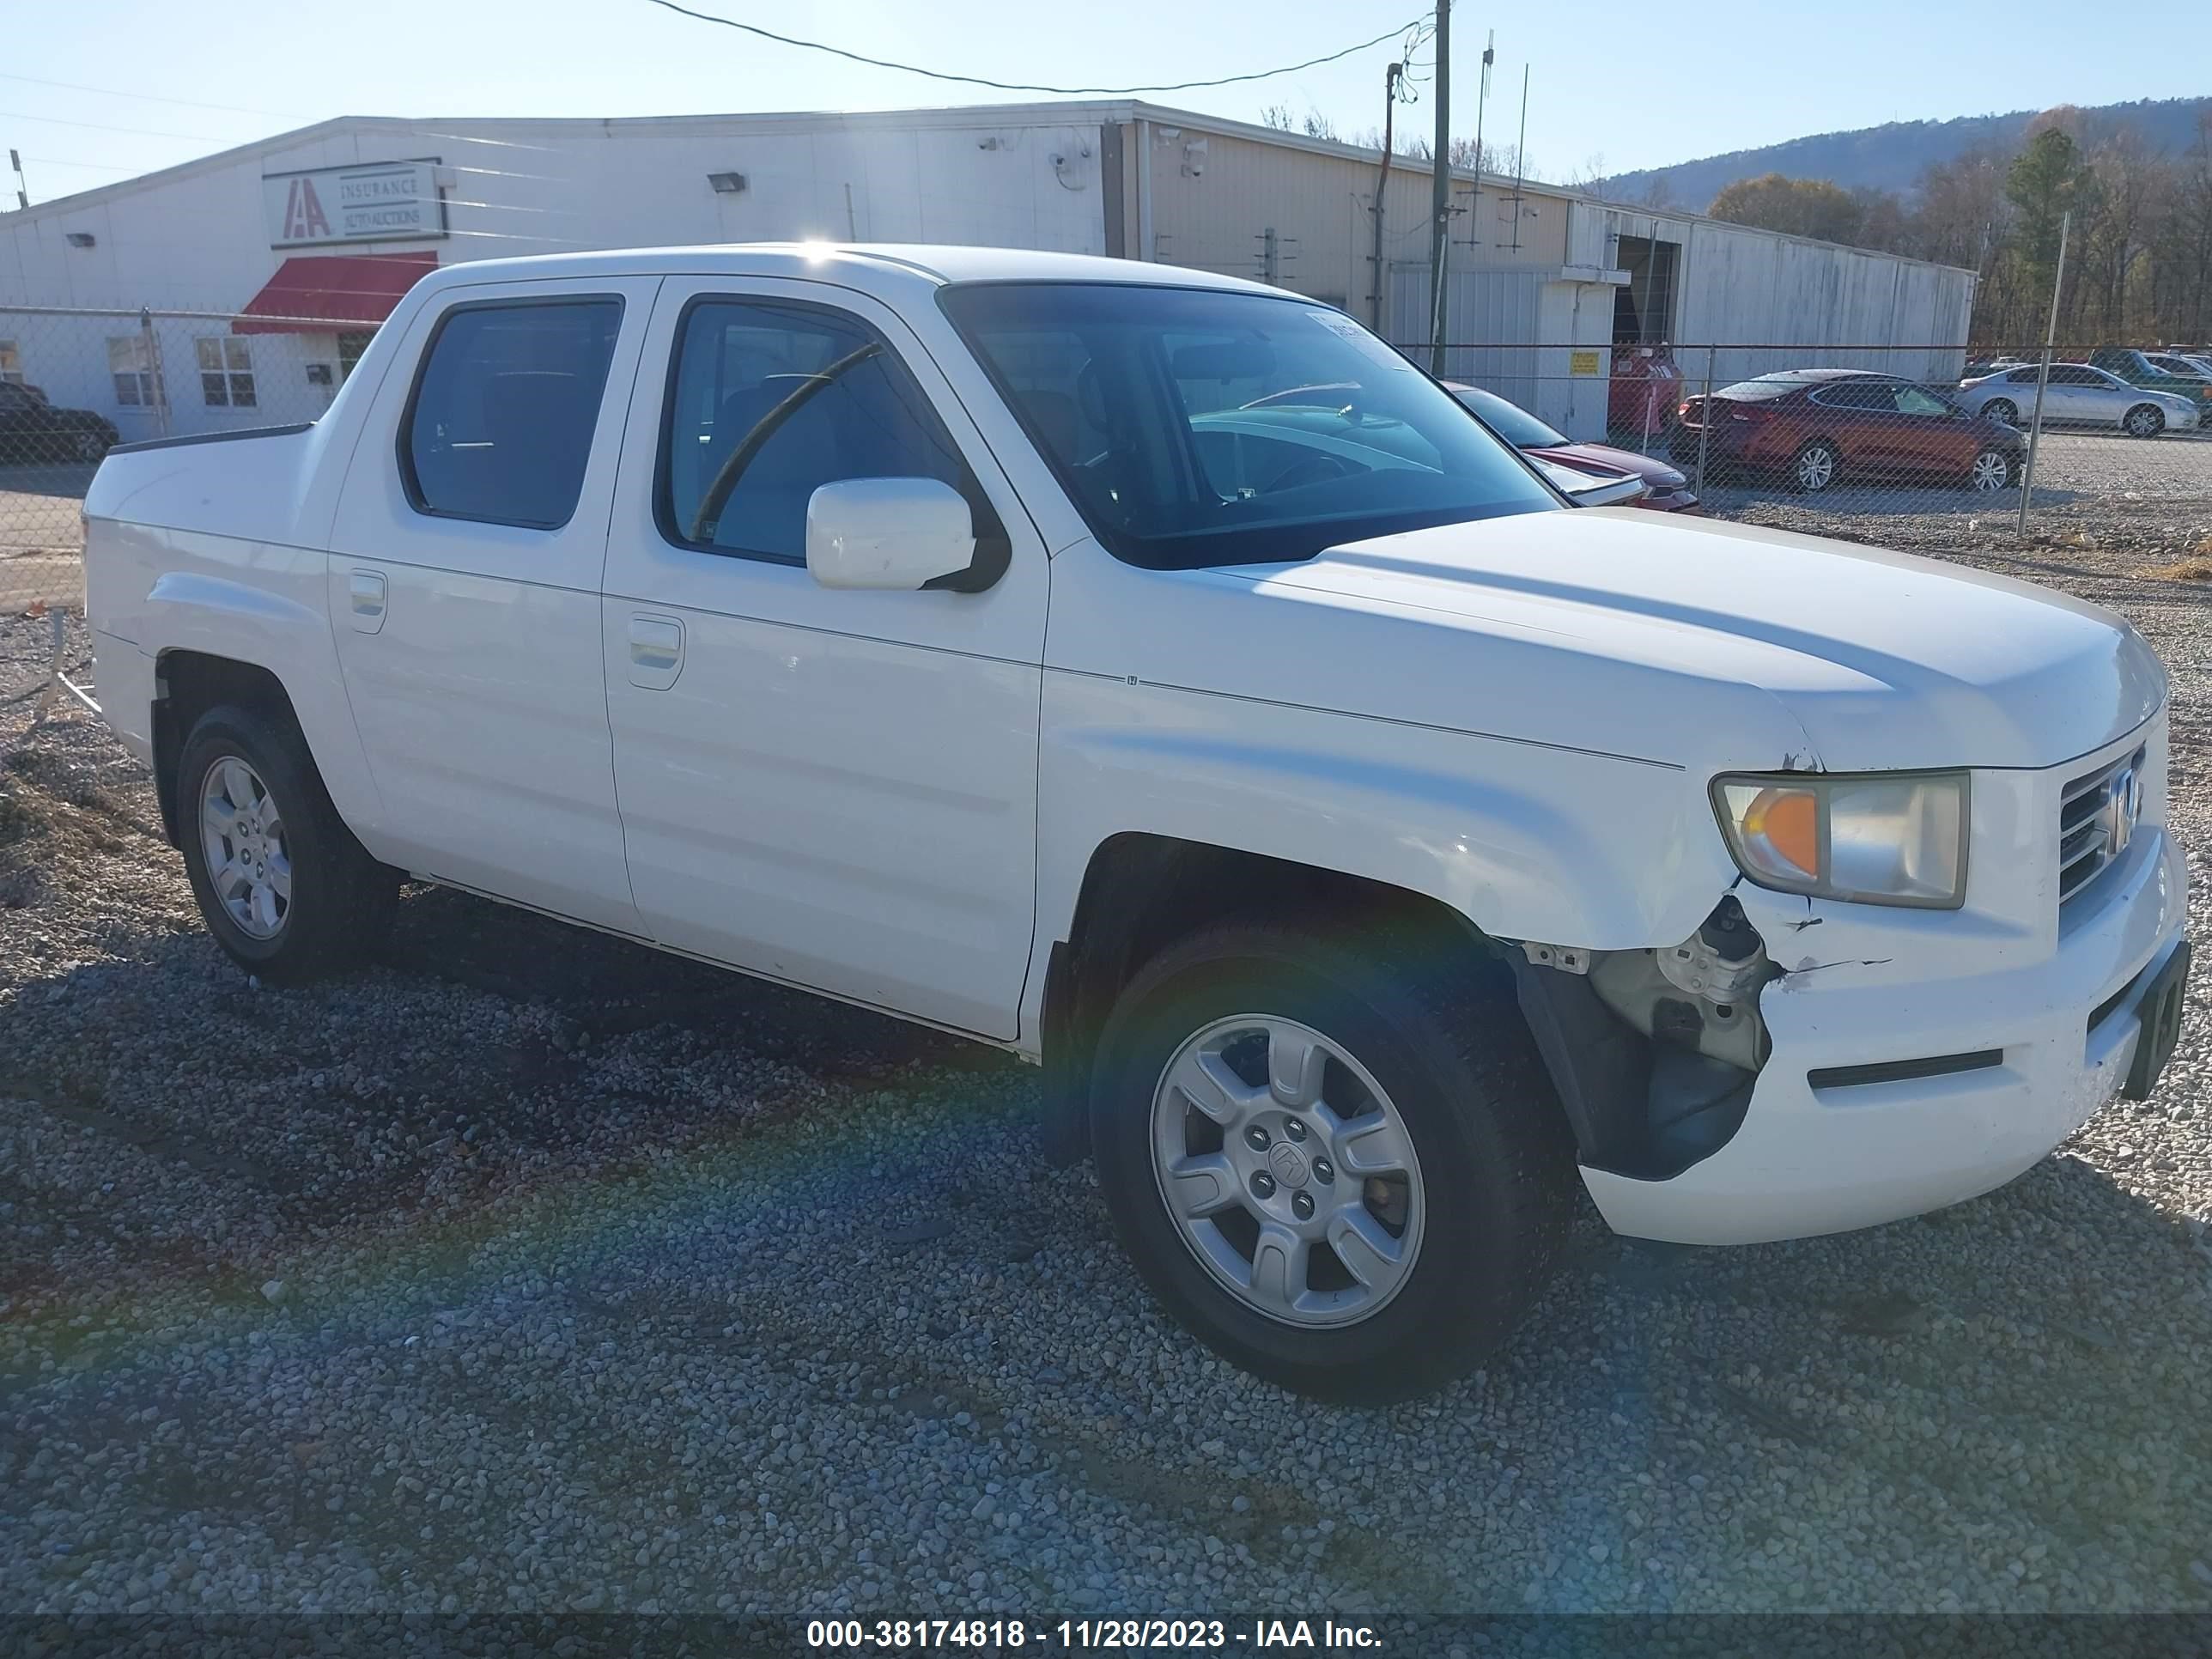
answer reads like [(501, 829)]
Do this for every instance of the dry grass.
[(2197, 569)]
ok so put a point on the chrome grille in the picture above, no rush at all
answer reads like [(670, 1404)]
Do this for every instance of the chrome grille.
[(2097, 816)]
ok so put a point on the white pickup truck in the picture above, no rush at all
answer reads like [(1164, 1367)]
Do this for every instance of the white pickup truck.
[(1154, 675)]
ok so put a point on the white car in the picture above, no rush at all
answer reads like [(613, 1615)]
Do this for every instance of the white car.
[(2077, 394), (1151, 674), (2185, 364)]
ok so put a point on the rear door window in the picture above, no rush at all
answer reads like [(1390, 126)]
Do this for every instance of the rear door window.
[(499, 428)]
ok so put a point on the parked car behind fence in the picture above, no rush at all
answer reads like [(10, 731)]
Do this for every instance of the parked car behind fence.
[(1815, 427), (2137, 368), (2078, 394), (33, 432)]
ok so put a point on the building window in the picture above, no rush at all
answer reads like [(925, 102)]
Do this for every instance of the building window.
[(225, 371), (351, 344), (137, 381), (11, 363)]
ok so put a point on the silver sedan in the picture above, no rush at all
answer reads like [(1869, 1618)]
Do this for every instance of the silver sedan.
[(2077, 395)]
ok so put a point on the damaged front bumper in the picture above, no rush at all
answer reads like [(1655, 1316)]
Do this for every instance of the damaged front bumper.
[(1902, 1059), (1886, 1094)]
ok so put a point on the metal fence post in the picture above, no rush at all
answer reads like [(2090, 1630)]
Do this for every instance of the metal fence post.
[(151, 344), (1705, 417)]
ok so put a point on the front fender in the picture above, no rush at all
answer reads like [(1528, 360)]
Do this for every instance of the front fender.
[(1524, 839)]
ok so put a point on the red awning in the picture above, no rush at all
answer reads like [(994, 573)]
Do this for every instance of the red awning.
[(320, 294)]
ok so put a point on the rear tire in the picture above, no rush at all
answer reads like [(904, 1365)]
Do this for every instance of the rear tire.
[(2143, 420), (1427, 1059), (1815, 467), (282, 884)]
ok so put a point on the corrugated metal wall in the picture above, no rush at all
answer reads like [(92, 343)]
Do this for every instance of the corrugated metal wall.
[(1745, 287), (1215, 195)]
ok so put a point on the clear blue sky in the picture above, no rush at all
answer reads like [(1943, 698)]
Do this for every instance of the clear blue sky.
[(1635, 83)]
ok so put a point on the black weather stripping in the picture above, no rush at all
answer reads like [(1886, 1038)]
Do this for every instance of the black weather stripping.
[(1903, 1071), (209, 437)]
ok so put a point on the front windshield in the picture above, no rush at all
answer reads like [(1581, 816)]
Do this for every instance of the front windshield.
[(1509, 419), (1199, 427)]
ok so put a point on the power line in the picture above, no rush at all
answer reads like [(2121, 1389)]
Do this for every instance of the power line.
[(154, 98), (95, 166), (103, 126), (1021, 86)]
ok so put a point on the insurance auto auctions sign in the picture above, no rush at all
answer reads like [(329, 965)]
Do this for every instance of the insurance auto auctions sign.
[(375, 202)]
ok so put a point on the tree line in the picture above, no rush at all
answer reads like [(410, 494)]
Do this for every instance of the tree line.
[(2138, 266)]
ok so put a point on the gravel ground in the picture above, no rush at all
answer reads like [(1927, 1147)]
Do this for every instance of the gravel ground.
[(541, 1273)]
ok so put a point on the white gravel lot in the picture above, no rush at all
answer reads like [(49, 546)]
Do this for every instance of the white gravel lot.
[(533, 1272)]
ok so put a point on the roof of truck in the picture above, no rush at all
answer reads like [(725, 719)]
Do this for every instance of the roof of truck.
[(867, 266)]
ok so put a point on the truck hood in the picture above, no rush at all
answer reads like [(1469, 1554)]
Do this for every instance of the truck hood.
[(1881, 659)]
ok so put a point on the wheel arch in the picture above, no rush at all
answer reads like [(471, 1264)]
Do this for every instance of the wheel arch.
[(187, 685), (1140, 892)]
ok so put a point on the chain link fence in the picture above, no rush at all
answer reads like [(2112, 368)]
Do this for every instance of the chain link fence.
[(1877, 442), (75, 383), (1877, 439)]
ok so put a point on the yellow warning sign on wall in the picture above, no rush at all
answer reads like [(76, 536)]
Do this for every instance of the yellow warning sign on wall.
[(1583, 362)]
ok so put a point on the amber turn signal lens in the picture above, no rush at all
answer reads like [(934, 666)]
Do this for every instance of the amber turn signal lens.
[(1789, 821)]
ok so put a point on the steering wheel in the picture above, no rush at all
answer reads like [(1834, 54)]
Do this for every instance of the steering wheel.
[(1314, 469)]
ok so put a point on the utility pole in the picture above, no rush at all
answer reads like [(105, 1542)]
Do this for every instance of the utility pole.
[(1481, 160), (1382, 193), (2043, 378), (1440, 191), (22, 185), (1521, 155)]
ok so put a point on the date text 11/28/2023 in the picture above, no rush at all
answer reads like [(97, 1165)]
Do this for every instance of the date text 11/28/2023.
[(1193, 1635)]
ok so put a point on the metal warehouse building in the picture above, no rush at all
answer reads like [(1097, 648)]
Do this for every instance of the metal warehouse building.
[(314, 233)]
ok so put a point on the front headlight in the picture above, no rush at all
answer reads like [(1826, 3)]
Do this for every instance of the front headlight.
[(1877, 838)]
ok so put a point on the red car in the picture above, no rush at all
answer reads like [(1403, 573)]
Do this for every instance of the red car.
[(1811, 426), (1666, 490)]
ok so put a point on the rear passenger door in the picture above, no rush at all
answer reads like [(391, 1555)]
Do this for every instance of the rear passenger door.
[(465, 574), (835, 787)]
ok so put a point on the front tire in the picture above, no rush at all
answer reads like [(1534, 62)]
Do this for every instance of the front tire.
[(2002, 410), (1341, 1170), (1815, 466), (282, 884), (1992, 471), (2143, 420)]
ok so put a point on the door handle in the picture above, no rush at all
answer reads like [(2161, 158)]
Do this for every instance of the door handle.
[(365, 600), (656, 652)]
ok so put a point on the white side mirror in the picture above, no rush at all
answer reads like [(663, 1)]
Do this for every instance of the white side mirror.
[(900, 533)]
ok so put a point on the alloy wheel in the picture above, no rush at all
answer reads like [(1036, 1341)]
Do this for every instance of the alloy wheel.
[(249, 860), (1287, 1170), (1816, 467), (1992, 471)]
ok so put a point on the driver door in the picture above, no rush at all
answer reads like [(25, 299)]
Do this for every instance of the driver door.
[(833, 787)]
